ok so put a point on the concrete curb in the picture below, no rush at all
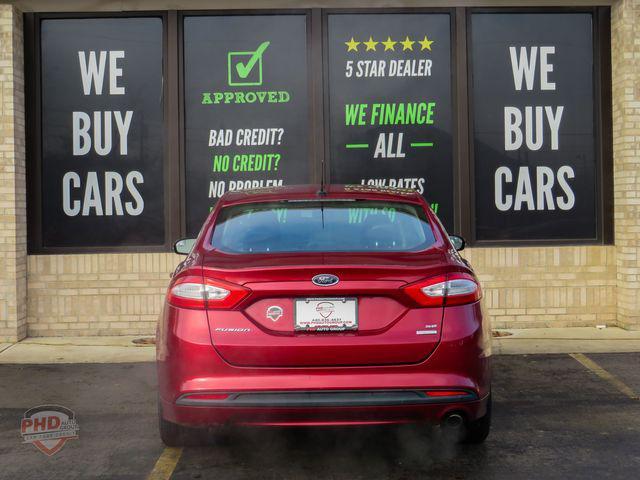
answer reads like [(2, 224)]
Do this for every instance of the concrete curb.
[(46, 350), (566, 340)]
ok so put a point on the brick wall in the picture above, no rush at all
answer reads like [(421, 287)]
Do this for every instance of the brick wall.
[(625, 46), (547, 286), (97, 294), (111, 294), (13, 221)]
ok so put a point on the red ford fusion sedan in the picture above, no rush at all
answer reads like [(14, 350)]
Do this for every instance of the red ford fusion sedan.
[(310, 306)]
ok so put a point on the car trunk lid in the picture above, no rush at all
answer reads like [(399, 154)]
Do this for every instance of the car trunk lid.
[(261, 331)]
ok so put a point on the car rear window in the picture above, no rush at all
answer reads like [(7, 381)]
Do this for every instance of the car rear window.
[(322, 226)]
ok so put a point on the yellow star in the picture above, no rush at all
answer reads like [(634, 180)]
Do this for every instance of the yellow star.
[(371, 45), (388, 44), (407, 44), (425, 44), (352, 45)]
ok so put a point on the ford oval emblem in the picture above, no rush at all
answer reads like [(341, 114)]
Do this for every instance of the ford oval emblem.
[(325, 280)]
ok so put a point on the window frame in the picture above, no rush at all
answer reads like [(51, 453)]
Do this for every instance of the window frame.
[(602, 106), (33, 131), (174, 160), (314, 83), (458, 96)]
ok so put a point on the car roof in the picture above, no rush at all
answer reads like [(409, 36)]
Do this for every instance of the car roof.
[(312, 192)]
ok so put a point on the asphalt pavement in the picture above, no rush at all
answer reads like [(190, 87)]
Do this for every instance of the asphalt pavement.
[(555, 416)]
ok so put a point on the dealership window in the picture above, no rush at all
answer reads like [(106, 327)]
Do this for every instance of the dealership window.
[(535, 151), (246, 106), (138, 122), (390, 106), (100, 166)]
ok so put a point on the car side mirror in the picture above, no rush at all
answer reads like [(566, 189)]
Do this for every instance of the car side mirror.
[(184, 246), (457, 242)]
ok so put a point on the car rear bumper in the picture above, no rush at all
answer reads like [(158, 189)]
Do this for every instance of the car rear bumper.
[(325, 398), (278, 415), (358, 395)]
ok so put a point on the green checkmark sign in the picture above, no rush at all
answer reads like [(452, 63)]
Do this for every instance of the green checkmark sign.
[(244, 69)]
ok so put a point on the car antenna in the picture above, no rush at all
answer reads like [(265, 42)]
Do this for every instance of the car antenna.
[(322, 192)]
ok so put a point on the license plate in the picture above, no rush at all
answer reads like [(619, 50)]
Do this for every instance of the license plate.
[(326, 314)]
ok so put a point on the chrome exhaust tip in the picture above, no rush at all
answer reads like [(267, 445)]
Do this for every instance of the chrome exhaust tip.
[(453, 421)]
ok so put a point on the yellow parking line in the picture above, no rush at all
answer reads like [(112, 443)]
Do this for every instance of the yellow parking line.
[(166, 464), (602, 373)]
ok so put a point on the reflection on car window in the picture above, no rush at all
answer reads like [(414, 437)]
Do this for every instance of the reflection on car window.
[(322, 226)]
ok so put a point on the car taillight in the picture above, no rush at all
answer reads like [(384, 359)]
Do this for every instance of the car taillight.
[(445, 290), (211, 294)]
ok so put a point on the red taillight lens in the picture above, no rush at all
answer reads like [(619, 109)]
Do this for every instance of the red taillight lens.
[(446, 393), (445, 290), (211, 294), (206, 396)]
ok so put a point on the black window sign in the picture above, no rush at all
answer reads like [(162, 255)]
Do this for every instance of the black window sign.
[(102, 132), (246, 106), (390, 103), (533, 104)]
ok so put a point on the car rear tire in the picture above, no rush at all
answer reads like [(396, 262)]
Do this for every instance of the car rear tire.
[(174, 435), (170, 433), (478, 430)]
